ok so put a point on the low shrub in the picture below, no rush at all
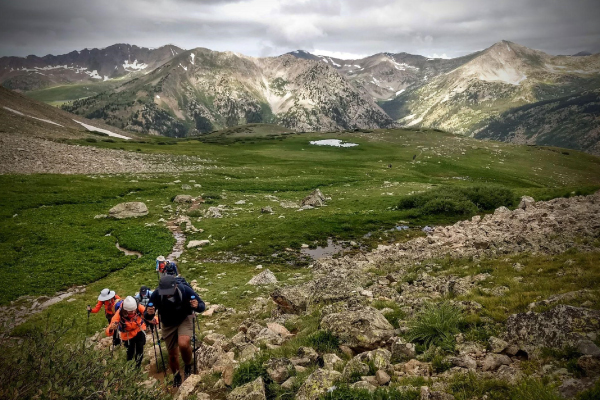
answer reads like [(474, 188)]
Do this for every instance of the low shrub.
[(452, 201), (42, 368), (436, 325), (249, 370)]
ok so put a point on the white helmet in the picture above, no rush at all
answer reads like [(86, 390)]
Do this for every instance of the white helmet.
[(129, 304)]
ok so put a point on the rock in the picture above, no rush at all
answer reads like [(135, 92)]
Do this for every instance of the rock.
[(557, 328), (347, 350), (428, 394), (201, 395), (496, 345), (183, 198), (314, 199), (492, 362), (186, 187), (198, 243), (571, 387), (380, 358), (401, 350), (526, 201), (288, 204), (132, 209), (266, 277), (267, 336), (509, 374), (291, 299), (279, 369), (188, 387), (254, 390), (248, 352), (464, 362), (355, 367), (213, 212), (587, 347), (416, 368), (100, 216), (382, 377), (213, 338), (363, 385), (361, 329), (317, 384), (279, 329), (289, 384), (372, 380), (266, 210), (590, 364), (308, 352), (207, 355), (332, 361)]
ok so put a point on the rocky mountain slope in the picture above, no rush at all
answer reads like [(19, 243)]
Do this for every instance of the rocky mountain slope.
[(95, 65), (500, 78), (572, 122), (384, 76), (202, 90)]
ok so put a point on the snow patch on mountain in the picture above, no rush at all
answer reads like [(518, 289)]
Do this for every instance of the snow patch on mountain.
[(134, 66), (109, 133), (332, 142), (30, 116)]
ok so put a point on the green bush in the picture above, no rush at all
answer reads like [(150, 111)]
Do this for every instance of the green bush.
[(345, 392), (440, 364), (529, 389), (436, 325), (42, 369), (454, 201), (323, 342), (590, 394)]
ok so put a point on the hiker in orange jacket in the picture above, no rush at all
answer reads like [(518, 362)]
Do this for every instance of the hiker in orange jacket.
[(129, 321), (108, 299)]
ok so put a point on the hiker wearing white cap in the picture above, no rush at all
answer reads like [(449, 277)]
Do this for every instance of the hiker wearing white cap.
[(108, 299), (129, 322)]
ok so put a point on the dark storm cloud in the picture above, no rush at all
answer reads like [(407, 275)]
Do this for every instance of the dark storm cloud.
[(271, 27)]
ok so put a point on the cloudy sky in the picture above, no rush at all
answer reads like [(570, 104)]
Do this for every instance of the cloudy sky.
[(348, 29)]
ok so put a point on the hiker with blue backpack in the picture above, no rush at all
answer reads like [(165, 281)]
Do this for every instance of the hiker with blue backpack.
[(107, 299), (176, 302), (130, 323), (165, 267), (143, 296)]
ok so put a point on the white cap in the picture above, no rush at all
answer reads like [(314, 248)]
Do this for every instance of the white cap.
[(129, 304), (160, 259)]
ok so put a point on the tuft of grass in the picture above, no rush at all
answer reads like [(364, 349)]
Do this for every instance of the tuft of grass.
[(440, 364), (250, 370), (435, 325), (323, 342)]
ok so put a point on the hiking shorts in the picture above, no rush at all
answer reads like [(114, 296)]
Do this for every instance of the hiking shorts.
[(171, 334)]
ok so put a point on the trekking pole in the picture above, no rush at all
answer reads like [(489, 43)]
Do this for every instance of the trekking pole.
[(87, 324), (194, 338), (154, 345), (159, 347)]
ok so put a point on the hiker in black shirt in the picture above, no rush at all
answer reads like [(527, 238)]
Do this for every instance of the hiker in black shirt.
[(175, 307)]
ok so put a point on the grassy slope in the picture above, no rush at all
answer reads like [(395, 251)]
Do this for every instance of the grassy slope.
[(51, 248)]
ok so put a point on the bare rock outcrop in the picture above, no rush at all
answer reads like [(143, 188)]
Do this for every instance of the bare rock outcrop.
[(131, 209)]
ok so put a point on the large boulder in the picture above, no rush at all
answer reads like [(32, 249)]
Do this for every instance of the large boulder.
[(360, 329), (207, 355), (264, 278), (131, 209), (188, 387), (254, 390), (315, 199), (317, 384), (291, 299), (557, 328)]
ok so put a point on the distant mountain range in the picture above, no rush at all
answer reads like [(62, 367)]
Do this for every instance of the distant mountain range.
[(505, 92)]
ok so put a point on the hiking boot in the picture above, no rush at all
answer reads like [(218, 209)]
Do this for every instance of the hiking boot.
[(187, 371), (177, 380)]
